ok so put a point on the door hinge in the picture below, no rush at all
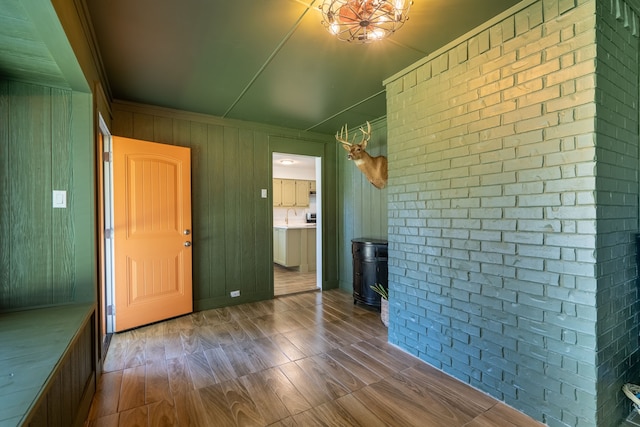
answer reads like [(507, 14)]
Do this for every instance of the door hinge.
[(111, 310), (106, 156), (108, 233)]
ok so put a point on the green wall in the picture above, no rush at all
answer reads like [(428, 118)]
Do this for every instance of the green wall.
[(232, 224), (362, 207), (47, 256)]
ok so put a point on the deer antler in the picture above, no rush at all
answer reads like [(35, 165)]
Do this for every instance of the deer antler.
[(345, 140), (365, 135)]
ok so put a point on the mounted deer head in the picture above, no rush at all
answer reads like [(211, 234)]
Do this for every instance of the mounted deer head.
[(374, 168)]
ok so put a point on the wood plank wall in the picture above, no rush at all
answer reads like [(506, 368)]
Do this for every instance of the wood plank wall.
[(67, 398), (37, 242), (232, 224), (362, 207)]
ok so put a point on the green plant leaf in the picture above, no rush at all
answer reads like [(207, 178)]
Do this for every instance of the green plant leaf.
[(380, 290)]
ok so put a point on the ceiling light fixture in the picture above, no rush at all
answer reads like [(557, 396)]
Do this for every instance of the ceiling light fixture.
[(364, 21), (287, 161)]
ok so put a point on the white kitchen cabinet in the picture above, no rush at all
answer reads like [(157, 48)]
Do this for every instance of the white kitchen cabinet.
[(302, 193), (295, 247), (288, 192), (277, 192), (291, 193)]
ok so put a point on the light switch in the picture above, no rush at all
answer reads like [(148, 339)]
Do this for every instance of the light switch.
[(59, 199), (264, 193)]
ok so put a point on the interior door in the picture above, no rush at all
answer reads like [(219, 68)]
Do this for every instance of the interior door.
[(152, 232)]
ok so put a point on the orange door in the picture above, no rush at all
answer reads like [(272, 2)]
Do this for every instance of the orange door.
[(152, 232)]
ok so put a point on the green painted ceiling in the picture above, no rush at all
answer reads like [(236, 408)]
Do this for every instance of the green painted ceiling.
[(267, 61)]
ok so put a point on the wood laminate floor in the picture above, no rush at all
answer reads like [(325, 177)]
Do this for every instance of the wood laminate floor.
[(310, 359), (290, 281)]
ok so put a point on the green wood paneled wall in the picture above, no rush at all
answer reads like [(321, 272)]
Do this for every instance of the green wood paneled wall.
[(362, 207), (232, 224), (38, 244)]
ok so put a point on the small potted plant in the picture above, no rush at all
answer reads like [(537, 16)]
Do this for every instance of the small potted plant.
[(384, 302)]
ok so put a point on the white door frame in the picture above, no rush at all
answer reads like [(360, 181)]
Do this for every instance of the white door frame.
[(107, 175)]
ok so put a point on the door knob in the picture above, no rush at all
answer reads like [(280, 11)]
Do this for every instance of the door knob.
[(187, 244), (187, 232)]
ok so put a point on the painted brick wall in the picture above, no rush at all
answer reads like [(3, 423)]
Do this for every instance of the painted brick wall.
[(617, 200), (512, 210)]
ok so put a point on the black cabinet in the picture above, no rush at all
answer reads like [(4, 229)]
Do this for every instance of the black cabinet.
[(369, 268)]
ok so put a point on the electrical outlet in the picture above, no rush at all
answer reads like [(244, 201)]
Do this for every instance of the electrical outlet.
[(263, 193), (235, 294)]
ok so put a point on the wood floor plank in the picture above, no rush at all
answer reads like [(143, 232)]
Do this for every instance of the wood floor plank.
[(269, 352), (448, 387), (289, 395), (244, 409), (136, 417), (162, 414), (395, 352), (266, 324), (114, 361), (132, 388), (338, 329), (213, 335), (216, 408), (309, 342), (329, 366), (389, 411), (286, 322), (112, 420), (383, 356), (173, 345), (135, 354), (179, 376), (362, 415), (501, 415), (191, 341), (250, 329), (220, 365), (315, 393), (157, 388), (242, 362), (259, 358), (369, 323), (178, 324), (333, 414), (360, 370), (154, 349), (322, 378), (446, 412), (237, 331), (285, 422), (309, 419), (105, 401), (370, 362), (190, 410), (267, 401), (199, 370), (287, 348)]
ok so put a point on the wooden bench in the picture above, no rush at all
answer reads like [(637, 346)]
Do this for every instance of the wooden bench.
[(47, 366)]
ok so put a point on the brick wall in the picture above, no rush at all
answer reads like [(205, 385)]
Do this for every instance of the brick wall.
[(617, 200), (507, 268)]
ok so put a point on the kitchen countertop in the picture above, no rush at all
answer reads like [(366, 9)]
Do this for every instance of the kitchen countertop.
[(295, 226)]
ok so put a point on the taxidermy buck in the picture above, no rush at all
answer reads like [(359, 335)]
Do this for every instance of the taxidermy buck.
[(374, 168)]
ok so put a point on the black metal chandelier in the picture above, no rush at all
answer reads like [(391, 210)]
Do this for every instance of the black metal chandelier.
[(364, 21)]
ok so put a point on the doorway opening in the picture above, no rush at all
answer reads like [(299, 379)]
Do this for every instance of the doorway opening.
[(297, 223)]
